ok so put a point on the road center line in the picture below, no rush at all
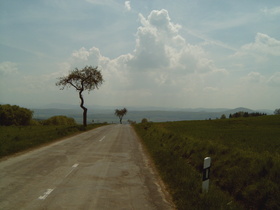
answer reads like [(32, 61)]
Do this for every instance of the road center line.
[(75, 165), (102, 138), (49, 191), (46, 194), (72, 169)]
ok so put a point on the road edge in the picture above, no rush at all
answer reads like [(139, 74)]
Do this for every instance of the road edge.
[(149, 162)]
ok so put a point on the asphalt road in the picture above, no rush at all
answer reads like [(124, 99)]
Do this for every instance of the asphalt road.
[(104, 168)]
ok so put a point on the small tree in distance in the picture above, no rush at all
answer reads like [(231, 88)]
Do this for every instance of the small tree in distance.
[(144, 120), (223, 116), (120, 113), (87, 78)]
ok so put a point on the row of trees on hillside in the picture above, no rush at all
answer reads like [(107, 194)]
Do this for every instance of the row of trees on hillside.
[(246, 114)]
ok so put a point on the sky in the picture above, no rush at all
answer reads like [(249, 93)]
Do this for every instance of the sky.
[(151, 53)]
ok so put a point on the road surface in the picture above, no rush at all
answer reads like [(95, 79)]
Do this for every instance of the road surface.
[(104, 168)]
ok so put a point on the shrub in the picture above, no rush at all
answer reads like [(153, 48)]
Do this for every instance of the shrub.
[(144, 120), (60, 120), (14, 115)]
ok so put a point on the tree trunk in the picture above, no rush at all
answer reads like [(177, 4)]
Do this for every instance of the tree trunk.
[(120, 120), (85, 117), (84, 108)]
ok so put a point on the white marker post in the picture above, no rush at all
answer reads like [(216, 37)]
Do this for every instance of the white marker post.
[(206, 173)]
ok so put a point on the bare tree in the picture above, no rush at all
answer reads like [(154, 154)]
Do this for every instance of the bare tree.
[(87, 78), (120, 113)]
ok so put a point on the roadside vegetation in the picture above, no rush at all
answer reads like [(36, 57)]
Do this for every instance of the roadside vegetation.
[(15, 139), (245, 153), (19, 132)]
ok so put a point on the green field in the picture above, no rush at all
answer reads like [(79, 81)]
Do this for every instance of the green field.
[(15, 139), (245, 152)]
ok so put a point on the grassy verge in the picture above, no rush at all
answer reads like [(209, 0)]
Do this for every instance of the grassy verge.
[(245, 161), (15, 139)]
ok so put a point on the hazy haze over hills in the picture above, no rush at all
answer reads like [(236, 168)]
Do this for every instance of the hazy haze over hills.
[(155, 114)]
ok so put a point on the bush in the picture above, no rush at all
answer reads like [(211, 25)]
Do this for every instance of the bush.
[(144, 120), (14, 115), (60, 120), (35, 122)]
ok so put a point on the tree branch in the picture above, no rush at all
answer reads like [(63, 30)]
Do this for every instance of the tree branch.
[(73, 85)]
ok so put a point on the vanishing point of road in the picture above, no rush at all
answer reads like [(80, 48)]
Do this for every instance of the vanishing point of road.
[(105, 168)]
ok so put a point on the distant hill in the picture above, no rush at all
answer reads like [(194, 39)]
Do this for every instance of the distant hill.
[(239, 109), (106, 114)]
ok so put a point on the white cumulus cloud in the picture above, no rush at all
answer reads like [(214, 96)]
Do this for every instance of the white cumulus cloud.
[(263, 44), (162, 62), (261, 56), (127, 5)]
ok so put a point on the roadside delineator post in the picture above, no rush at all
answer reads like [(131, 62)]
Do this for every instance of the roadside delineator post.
[(206, 174)]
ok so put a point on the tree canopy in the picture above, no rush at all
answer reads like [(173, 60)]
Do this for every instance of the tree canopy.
[(88, 78), (277, 111)]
